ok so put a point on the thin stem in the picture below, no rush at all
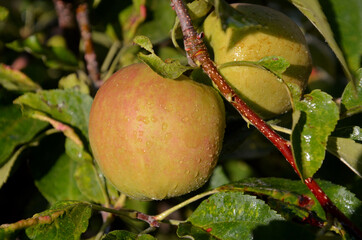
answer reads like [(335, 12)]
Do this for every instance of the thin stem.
[(169, 211), (105, 225), (110, 55), (89, 56), (173, 33), (240, 63), (120, 202), (110, 216), (118, 212), (151, 220), (281, 129), (173, 222), (114, 64), (197, 51)]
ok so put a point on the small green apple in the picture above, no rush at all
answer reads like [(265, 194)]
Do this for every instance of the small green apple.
[(276, 35), (153, 137)]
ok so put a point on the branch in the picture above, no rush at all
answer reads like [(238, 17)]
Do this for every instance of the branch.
[(89, 56), (25, 223), (67, 23), (197, 51), (133, 214)]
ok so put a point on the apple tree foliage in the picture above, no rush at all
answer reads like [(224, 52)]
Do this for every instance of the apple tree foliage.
[(51, 187)]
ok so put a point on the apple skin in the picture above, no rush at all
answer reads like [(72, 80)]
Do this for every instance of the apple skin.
[(155, 138), (277, 35)]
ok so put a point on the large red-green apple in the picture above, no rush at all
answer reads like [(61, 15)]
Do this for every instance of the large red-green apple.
[(153, 137), (275, 35)]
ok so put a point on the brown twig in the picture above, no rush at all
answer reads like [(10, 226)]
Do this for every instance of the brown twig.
[(89, 55), (197, 51), (25, 223), (67, 23)]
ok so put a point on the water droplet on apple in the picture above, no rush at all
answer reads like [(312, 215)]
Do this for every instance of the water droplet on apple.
[(185, 119), (143, 119), (167, 136)]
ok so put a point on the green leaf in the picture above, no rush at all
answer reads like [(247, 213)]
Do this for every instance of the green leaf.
[(72, 81), (6, 168), (125, 235), (296, 193), (314, 118), (313, 11), (237, 170), (198, 9), (68, 106), (15, 80), (68, 220), (346, 22), (348, 151), (284, 230), (4, 13), (230, 17), (218, 178), (292, 212), (189, 231), (232, 215), (159, 24), (166, 53), (61, 58), (15, 129), (55, 179), (76, 152), (351, 132), (275, 64), (144, 42), (352, 97), (171, 70), (89, 182), (57, 57)]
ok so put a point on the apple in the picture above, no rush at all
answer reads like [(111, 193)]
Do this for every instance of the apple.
[(155, 138), (275, 35)]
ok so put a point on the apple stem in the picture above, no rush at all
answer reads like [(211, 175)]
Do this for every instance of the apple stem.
[(90, 55), (197, 51)]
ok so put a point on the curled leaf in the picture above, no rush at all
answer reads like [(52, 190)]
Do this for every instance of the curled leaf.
[(172, 69)]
